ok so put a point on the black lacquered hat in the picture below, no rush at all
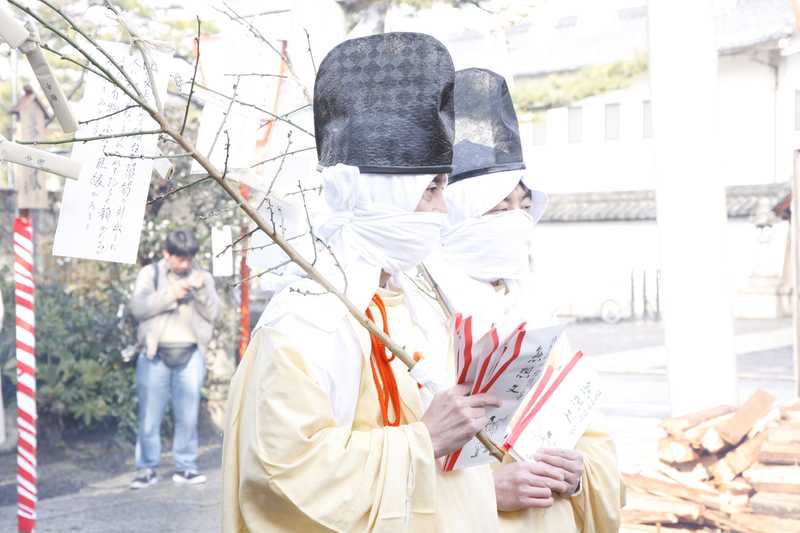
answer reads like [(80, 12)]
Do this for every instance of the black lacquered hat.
[(384, 103), (487, 131)]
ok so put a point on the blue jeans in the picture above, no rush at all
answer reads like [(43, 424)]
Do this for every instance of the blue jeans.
[(156, 383)]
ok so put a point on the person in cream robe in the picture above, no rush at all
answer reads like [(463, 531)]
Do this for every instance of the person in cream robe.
[(483, 270), (325, 431)]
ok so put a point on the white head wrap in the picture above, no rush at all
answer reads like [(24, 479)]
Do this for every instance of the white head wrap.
[(489, 247), (370, 225)]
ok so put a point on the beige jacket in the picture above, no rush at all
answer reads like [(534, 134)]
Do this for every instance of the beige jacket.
[(151, 307)]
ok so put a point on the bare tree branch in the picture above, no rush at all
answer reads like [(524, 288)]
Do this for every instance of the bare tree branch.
[(142, 156), (308, 220), (239, 239), (96, 138), (278, 172), (224, 120), (233, 15), (254, 165), (310, 53), (194, 78), (88, 38), (247, 104), (177, 190), (117, 112), (58, 54), (227, 154), (267, 271), (257, 74), (265, 13), (102, 68), (264, 246)]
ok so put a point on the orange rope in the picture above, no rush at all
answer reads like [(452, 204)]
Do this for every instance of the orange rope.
[(382, 373)]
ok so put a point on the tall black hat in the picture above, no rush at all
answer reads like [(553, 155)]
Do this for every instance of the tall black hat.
[(384, 103), (487, 131)]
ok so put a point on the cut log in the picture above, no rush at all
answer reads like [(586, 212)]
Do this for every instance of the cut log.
[(695, 434), (672, 450), (791, 412), (735, 496), (784, 479), (647, 503), (686, 479), (666, 488), (737, 460), (757, 406), (638, 516), (677, 425), (780, 454), (776, 504), (760, 523), (785, 434), (712, 441)]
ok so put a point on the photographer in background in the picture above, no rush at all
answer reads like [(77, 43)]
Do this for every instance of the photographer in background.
[(175, 304)]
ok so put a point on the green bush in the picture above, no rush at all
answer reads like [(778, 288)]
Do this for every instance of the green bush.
[(82, 382)]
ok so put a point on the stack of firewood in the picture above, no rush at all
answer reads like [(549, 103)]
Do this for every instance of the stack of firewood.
[(724, 469)]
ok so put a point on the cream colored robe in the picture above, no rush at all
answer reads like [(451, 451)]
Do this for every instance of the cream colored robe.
[(287, 466), (595, 508)]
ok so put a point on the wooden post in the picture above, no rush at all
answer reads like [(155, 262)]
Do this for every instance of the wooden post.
[(795, 246)]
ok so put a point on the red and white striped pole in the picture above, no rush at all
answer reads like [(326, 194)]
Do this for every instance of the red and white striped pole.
[(26, 375)]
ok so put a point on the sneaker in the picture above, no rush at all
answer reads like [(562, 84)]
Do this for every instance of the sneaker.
[(188, 477), (145, 478)]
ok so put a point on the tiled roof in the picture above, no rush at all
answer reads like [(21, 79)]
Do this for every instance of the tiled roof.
[(742, 201)]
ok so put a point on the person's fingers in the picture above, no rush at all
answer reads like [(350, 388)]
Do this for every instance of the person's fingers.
[(535, 492), (483, 400), (477, 424), (557, 461), (546, 470), (537, 503), (459, 390), (572, 455)]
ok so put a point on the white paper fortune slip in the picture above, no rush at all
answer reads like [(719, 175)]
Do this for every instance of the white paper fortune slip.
[(506, 362), (219, 117), (222, 251), (38, 159), (102, 213), (559, 410)]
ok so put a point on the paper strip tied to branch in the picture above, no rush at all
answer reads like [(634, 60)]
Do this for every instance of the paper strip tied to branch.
[(38, 159), (26, 38)]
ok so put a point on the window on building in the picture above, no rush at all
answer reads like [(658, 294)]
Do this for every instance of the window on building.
[(574, 124), (797, 110), (612, 122), (647, 120), (539, 129)]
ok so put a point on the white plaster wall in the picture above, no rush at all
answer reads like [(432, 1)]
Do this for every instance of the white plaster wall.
[(747, 134), (580, 265), (788, 137), (594, 164)]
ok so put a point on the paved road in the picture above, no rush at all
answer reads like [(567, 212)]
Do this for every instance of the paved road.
[(634, 375)]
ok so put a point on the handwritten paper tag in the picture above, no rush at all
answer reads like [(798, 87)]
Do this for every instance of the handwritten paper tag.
[(507, 370), (562, 413), (102, 213)]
